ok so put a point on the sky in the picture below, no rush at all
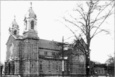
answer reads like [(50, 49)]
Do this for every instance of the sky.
[(49, 14)]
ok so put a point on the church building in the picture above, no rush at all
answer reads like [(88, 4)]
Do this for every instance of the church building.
[(30, 56)]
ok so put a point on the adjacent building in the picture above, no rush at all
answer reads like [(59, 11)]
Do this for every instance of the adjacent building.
[(98, 69)]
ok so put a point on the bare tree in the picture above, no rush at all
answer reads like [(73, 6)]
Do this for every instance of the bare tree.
[(90, 22)]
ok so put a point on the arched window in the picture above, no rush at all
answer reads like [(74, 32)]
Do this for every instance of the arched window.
[(8, 69), (32, 24), (15, 32), (13, 68)]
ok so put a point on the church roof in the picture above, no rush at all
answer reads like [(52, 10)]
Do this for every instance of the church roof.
[(47, 44), (13, 37), (10, 39), (1, 64)]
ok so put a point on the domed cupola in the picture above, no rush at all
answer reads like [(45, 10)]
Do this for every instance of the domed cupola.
[(15, 28), (14, 24), (30, 22), (30, 13)]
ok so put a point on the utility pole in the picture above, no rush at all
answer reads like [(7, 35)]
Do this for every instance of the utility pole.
[(63, 56)]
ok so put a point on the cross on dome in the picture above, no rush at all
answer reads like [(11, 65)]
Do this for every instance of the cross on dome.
[(30, 13), (31, 4)]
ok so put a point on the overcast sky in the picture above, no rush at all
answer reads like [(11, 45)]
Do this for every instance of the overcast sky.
[(49, 13)]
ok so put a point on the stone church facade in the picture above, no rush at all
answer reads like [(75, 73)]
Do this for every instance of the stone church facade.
[(30, 56)]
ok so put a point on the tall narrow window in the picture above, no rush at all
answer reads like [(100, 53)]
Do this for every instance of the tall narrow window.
[(9, 68), (32, 24), (15, 32)]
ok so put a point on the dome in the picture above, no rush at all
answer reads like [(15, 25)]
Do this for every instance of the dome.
[(30, 13), (14, 24)]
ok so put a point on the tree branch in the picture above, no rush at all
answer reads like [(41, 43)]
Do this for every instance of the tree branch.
[(102, 31), (102, 22), (70, 30), (83, 15), (100, 11), (74, 24), (75, 37), (82, 24), (95, 5), (101, 18), (73, 17)]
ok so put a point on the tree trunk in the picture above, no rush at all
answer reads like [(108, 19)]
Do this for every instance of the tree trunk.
[(88, 55), (87, 65)]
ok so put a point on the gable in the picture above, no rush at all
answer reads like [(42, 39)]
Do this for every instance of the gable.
[(79, 46), (11, 39)]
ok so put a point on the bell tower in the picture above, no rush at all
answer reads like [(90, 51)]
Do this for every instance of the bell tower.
[(30, 42), (14, 30), (30, 22)]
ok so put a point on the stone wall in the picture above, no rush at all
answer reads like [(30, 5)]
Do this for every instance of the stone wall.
[(48, 67)]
